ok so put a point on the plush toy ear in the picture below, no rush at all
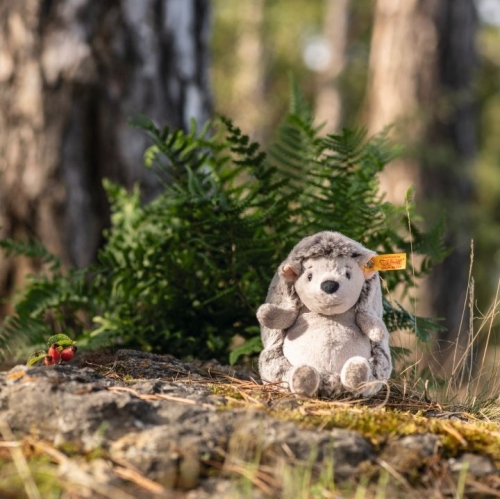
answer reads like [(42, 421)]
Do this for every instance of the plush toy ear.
[(368, 273), (364, 260), (289, 272)]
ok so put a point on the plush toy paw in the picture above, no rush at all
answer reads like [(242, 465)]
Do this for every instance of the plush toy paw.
[(330, 385), (276, 317), (303, 380), (357, 378), (372, 326)]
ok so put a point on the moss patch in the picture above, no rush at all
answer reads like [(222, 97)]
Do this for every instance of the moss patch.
[(458, 431), (381, 425)]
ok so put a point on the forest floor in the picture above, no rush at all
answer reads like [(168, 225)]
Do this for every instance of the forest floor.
[(136, 425)]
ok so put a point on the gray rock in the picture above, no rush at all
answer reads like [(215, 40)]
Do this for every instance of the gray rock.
[(411, 453), (166, 425), (153, 366), (475, 464), (424, 444), (257, 434), (66, 404)]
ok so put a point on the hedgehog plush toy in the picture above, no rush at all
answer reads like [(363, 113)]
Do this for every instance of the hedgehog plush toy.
[(321, 325)]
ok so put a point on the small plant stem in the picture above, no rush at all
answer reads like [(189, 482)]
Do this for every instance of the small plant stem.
[(456, 365), (462, 477), (361, 488), (382, 485), (20, 463), (407, 208), (492, 315)]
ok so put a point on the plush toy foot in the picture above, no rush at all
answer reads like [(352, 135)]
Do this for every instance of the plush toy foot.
[(329, 386), (372, 326), (357, 378), (303, 380)]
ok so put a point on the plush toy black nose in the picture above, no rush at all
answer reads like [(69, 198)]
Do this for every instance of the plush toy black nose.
[(329, 286)]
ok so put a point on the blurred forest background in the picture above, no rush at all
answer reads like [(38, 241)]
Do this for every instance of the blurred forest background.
[(72, 72)]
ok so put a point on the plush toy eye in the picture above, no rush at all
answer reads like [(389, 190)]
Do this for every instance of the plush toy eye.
[(348, 275), (309, 277)]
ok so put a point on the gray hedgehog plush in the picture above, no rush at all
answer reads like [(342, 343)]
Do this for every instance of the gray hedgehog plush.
[(321, 325)]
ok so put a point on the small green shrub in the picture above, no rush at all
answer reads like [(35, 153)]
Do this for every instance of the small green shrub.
[(185, 273)]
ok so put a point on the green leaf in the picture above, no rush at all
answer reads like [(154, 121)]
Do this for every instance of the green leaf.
[(252, 346), (36, 357), (61, 339)]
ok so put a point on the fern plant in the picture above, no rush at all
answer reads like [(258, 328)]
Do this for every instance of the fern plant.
[(185, 273), (51, 302)]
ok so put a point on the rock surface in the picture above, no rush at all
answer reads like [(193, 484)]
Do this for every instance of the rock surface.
[(154, 425)]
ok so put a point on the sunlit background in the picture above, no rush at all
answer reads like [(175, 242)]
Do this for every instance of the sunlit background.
[(328, 47)]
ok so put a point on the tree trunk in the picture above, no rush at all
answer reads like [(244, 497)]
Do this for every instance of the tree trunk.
[(328, 100), (72, 73), (446, 174), (402, 67), (421, 69), (249, 78)]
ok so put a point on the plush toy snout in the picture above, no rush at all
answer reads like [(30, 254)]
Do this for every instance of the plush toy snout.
[(329, 287)]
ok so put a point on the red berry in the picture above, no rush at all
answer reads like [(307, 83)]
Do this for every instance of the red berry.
[(54, 352), (68, 353), (49, 361)]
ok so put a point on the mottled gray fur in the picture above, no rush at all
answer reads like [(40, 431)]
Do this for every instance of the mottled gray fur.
[(325, 342)]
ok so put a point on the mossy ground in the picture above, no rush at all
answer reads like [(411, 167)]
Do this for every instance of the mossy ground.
[(378, 419), (395, 412)]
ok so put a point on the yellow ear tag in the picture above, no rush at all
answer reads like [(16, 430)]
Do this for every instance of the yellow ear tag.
[(393, 261)]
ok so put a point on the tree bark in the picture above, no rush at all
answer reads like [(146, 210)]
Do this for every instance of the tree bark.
[(446, 174), (328, 100), (422, 64), (249, 78), (403, 61), (72, 73)]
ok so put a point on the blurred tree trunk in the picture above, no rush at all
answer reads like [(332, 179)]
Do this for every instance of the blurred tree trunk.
[(403, 62), (446, 174), (249, 78), (328, 99), (422, 66), (72, 72)]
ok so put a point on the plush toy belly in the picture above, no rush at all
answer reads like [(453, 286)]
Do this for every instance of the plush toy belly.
[(325, 342)]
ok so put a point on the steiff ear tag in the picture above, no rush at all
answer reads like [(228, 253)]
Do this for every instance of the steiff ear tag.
[(392, 261)]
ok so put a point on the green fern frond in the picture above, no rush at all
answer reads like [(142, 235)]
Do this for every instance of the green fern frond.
[(398, 318), (32, 249), (299, 106)]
